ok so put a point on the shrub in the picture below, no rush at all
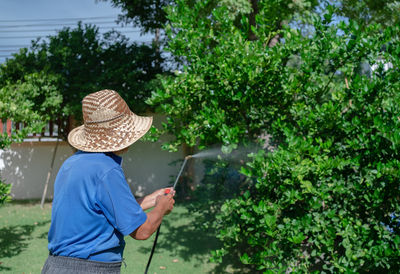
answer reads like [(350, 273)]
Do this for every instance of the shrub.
[(5, 190), (325, 198)]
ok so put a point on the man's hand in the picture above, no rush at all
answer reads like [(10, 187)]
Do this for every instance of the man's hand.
[(149, 201), (164, 204)]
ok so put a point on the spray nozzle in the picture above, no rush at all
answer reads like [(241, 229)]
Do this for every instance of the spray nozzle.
[(180, 172)]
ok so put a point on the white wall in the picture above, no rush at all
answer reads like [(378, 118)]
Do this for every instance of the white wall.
[(26, 166), (148, 168)]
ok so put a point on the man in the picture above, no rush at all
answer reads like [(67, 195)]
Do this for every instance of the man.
[(93, 207)]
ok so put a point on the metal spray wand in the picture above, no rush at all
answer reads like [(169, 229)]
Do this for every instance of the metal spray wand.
[(166, 192), (179, 174)]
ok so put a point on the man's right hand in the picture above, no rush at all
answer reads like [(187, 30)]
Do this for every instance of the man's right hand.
[(165, 203)]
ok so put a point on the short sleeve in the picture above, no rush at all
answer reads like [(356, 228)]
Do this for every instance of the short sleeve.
[(118, 204)]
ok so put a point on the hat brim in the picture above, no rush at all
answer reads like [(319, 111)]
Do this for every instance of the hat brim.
[(123, 134)]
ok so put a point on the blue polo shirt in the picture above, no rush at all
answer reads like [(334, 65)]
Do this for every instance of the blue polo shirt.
[(93, 208)]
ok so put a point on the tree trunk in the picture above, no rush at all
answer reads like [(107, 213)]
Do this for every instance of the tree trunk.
[(157, 44), (252, 19), (49, 175)]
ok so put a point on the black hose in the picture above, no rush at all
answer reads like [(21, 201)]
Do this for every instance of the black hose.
[(158, 229), (152, 250)]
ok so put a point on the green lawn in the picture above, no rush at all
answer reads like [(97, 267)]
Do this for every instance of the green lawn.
[(182, 246)]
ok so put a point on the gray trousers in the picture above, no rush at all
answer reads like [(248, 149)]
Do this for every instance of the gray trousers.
[(69, 265)]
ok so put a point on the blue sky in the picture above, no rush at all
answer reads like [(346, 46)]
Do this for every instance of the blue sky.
[(14, 13)]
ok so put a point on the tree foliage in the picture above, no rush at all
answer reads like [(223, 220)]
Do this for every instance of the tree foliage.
[(326, 198), (152, 14), (33, 101), (385, 12), (84, 61), (5, 190), (147, 14), (212, 100)]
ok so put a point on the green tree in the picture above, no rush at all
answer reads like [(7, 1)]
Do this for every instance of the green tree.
[(224, 69), (33, 101), (321, 200), (326, 197), (151, 15), (147, 14), (84, 61), (384, 12)]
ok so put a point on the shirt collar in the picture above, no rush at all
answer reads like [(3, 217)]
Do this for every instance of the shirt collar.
[(115, 157)]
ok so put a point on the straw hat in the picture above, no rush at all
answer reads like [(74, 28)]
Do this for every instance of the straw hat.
[(109, 124)]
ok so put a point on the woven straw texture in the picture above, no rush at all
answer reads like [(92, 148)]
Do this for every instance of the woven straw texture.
[(109, 124)]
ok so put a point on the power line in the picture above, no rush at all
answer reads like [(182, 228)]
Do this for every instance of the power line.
[(47, 30), (38, 36), (28, 46), (58, 19), (7, 50), (18, 47), (55, 24), (12, 46), (18, 37)]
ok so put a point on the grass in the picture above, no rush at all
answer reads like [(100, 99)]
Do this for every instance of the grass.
[(183, 247)]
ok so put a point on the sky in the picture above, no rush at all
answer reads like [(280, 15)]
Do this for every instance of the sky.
[(23, 20)]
